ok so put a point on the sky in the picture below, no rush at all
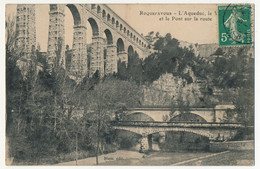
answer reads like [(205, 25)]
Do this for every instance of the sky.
[(191, 31)]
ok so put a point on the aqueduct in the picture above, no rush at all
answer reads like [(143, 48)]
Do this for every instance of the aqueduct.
[(120, 40)]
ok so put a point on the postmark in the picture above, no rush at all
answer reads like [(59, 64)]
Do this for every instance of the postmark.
[(234, 25)]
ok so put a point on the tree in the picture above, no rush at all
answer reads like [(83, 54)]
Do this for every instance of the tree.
[(159, 44), (104, 100), (171, 58), (134, 68), (122, 71), (157, 35), (219, 51), (14, 90), (39, 103), (232, 72)]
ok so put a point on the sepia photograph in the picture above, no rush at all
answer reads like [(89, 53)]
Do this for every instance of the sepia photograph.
[(106, 84)]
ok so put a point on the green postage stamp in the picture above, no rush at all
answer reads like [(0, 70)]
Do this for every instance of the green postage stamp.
[(234, 25)]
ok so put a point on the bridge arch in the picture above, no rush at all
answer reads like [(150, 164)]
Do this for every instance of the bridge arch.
[(120, 45), (137, 116), (188, 117), (130, 50), (73, 9), (109, 37), (75, 13), (94, 26)]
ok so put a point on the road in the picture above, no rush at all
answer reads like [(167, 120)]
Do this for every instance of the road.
[(124, 157), (225, 158)]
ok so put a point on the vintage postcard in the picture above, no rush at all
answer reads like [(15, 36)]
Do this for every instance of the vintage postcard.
[(130, 84)]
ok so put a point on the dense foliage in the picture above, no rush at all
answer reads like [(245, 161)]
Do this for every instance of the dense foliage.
[(169, 58), (50, 115)]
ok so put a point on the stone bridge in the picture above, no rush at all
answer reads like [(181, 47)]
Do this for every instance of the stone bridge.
[(216, 114), (214, 131), (113, 38)]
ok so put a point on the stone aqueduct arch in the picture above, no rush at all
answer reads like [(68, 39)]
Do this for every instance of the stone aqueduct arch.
[(119, 37)]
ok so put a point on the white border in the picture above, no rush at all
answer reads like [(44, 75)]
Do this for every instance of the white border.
[(2, 67)]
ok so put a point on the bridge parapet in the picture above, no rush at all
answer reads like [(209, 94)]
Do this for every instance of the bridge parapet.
[(177, 124)]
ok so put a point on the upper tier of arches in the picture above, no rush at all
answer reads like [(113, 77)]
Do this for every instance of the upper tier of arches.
[(117, 23)]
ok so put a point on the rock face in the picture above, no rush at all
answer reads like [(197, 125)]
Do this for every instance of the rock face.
[(204, 50), (169, 89)]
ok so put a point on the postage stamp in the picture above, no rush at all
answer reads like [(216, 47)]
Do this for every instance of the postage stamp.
[(234, 25)]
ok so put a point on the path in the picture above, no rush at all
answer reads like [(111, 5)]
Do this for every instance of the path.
[(118, 155)]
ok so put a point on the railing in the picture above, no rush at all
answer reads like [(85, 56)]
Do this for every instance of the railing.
[(177, 124), (166, 108)]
